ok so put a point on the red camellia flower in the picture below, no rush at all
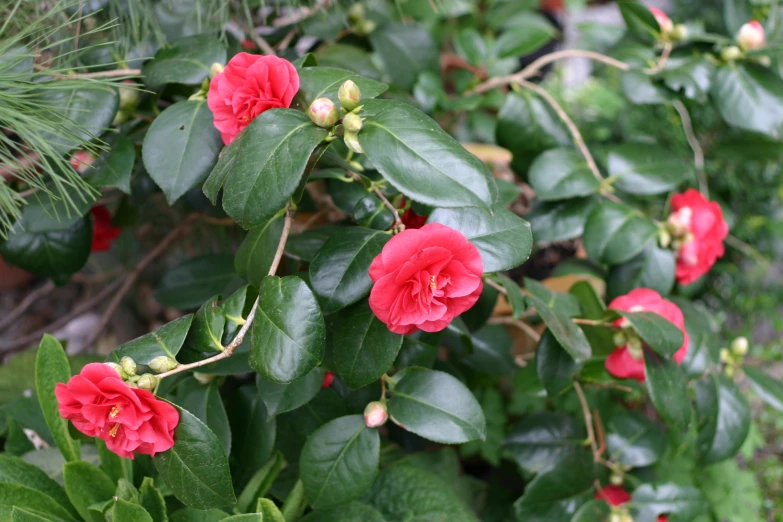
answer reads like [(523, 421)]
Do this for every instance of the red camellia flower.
[(103, 234), (627, 362), (100, 404), (249, 85), (425, 278), (616, 496), (699, 230), (411, 219)]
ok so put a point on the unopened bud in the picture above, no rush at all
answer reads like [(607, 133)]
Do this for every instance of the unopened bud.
[(349, 95), (725, 355), (328, 380), (729, 371), (148, 382), (128, 365), (615, 517), (375, 414), (162, 364), (352, 122), (363, 27), (117, 368), (739, 346), (203, 378), (635, 348), (351, 140), (679, 223), (356, 12), (663, 20), (731, 53), (129, 95), (617, 479), (215, 69), (620, 339), (664, 238), (323, 113), (679, 33), (82, 160), (751, 36)]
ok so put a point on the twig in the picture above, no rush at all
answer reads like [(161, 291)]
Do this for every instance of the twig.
[(114, 73), (698, 152), (589, 322), (286, 41), (398, 226), (251, 31), (240, 337), (588, 420), (746, 249), (25, 304), (662, 61), (301, 13), (522, 325), (599, 428), (496, 286)]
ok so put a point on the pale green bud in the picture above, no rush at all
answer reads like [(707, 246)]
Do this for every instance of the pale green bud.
[(148, 382), (352, 122), (128, 365), (739, 346), (162, 364), (731, 53), (349, 95), (323, 112), (352, 142), (117, 368), (216, 69)]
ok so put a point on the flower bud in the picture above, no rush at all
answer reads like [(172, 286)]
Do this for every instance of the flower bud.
[(162, 364), (729, 371), (203, 378), (664, 238), (323, 113), (128, 365), (352, 122), (620, 339), (751, 36), (616, 517), (679, 223), (730, 54), (679, 33), (739, 346), (375, 414), (349, 95), (215, 69), (635, 348), (616, 478), (147, 382), (351, 140), (117, 368), (356, 12), (82, 160), (663, 20), (725, 355), (129, 96), (328, 380)]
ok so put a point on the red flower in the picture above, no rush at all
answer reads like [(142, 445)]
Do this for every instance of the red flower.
[(82, 160), (103, 234), (247, 44), (249, 85), (616, 496), (328, 380), (411, 219), (702, 230), (100, 404), (425, 278), (627, 363)]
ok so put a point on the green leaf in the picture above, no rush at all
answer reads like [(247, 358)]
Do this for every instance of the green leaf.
[(32, 500), (197, 515), (351, 512), (649, 501), (249, 517), (662, 335), (556, 313), (732, 493), (86, 485), (124, 511), (540, 440), (253, 433), (492, 347), (51, 368), (187, 60), (640, 88), (364, 347), (555, 367), (645, 169), (264, 169), (421, 160), (593, 511), (562, 174), (750, 97), (406, 50), (280, 398), (305, 246), (152, 501), (438, 407), (736, 13), (223, 168), (206, 332), (560, 221), (615, 232), (634, 440), (204, 402), (639, 19), (90, 108), (343, 56), (469, 44), (503, 239), (338, 273), (255, 254), (514, 294), (416, 353), (196, 468), (692, 76), (288, 336), (22, 515), (668, 389), (195, 280), (725, 419), (653, 268), (114, 168), (769, 389), (166, 340), (299, 424), (527, 35), (339, 461), (324, 82), (261, 482), (17, 471), (363, 207)]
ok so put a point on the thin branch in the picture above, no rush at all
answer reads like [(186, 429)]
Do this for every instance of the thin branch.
[(662, 61), (301, 13), (496, 286), (114, 73), (398, 226), (251, 31), (746, 249), (588, 420), (698, 152), (522, 325), (589, 322), (31, 298)]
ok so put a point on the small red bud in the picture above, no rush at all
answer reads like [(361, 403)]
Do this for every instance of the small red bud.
[(375, 414), (328, 380), (663, 20), (323, 113), (751, 36)]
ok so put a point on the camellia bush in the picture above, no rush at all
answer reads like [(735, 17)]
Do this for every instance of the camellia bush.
[(336, 206)]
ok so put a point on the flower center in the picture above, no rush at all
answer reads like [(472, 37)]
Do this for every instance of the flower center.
[(113, 430), (433, 283), (115, 411)]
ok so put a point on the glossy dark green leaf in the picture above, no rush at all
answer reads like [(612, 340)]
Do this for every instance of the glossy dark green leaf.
[(503, 239), (645, 169), (556, 311), (305, 246), (725, 419), (634, 440), (51, 368), (659, 333), (562, 174), (255, 254), (561, 220), (125, 511), (288, 334), (197, 515), (181, 147), (186, 60), (86, 485), (641, 89), (470, 44), (299, 424), (280, 398), (365, 348), (166, 340), (114, 167), (668, 389), (207, 328), (649, 501), (351, 512), (615, 232), (223, 168), (736, 13), (196, 468), (90, 108), (338, 273), (692, 76), (555, 367), (704, 347), (195, 280), (324, 82), (339, 462), (492, 347), (421, 160), (525, 36), (514, 295), (653, 268), (204, 402), (152, 501), (593, 307), (639, 19), (235, 308), (406, 50), (593, 511), (22, 515), (31, 500), (351, 57), (416, 353), (362, 206), (766, 387), (17, 471), (438, 407), (259, 485), (540, 440), (264, 169), (750, 97), (253, 433)]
